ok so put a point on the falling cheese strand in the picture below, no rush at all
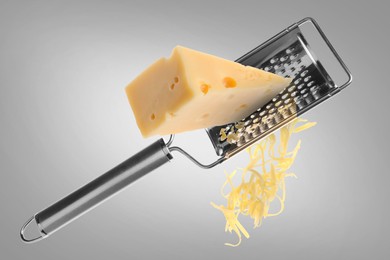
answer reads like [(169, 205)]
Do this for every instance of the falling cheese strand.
[(262, 181)]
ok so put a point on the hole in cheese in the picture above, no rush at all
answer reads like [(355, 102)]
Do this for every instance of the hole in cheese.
[(203, 117), (229, 82), (204, 88), (241, 107), (152, 116), (193, 83)]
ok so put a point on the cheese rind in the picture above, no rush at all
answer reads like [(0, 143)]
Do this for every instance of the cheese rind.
[(193, 90)]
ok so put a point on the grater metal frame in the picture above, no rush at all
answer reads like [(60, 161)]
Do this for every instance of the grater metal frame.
[(327, 90)]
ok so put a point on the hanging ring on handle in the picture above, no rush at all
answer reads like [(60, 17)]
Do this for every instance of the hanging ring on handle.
[(22, 236)]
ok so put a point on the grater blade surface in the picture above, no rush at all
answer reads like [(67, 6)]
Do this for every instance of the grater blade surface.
[(288, 54)]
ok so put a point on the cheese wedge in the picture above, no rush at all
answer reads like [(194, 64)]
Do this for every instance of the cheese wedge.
[(193, 90)]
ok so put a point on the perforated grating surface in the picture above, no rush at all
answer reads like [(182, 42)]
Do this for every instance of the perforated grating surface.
[(287, 56)]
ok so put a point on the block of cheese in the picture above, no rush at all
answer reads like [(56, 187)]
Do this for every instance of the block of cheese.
[(192, 90)]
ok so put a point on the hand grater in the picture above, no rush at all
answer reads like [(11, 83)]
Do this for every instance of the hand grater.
[(287, 54)]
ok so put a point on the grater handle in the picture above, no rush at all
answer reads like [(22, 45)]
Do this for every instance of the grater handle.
[(92, 194)]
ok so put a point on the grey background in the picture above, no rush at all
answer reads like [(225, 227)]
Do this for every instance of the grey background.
[(65, 120)]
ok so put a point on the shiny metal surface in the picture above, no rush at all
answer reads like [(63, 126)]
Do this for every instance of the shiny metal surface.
[(89, 196), (287, 54), (24, 228)]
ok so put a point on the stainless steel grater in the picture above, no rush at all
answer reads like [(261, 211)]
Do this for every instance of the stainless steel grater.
[(287, 54)]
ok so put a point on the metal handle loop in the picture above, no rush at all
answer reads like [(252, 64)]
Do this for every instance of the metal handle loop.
[(23, 237)]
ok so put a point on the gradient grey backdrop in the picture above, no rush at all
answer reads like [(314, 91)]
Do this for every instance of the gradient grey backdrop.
[(65, 120)]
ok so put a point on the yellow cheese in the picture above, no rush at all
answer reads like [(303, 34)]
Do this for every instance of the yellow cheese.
[(193, 90), (262, 180)]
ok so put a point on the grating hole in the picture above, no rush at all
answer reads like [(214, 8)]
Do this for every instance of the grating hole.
[(303, 74), (293, 56), (263, 127), (315, 91), (290, 50), (314, 88), (293, 109), (284, 96), (248, 136), (299, 100), (272, 110), (239, 131), (249, 129), (310, 83), (304, 91), (262, 113), (283, 112), (278, 103), (268, 106), (284, 58), (308, 98), (293, 94), (265, 120), (288, 63), (307, 78), (301, 86), (297, 81), (276, 67), (241, 141), (267, 68), (278, 117), (291, 88), (287, 101), (273, 60), (271, 122)]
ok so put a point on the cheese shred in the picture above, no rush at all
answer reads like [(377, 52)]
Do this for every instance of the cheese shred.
[(262, 180)]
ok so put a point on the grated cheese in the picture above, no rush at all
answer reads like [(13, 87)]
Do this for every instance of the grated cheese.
[(262, 180)]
